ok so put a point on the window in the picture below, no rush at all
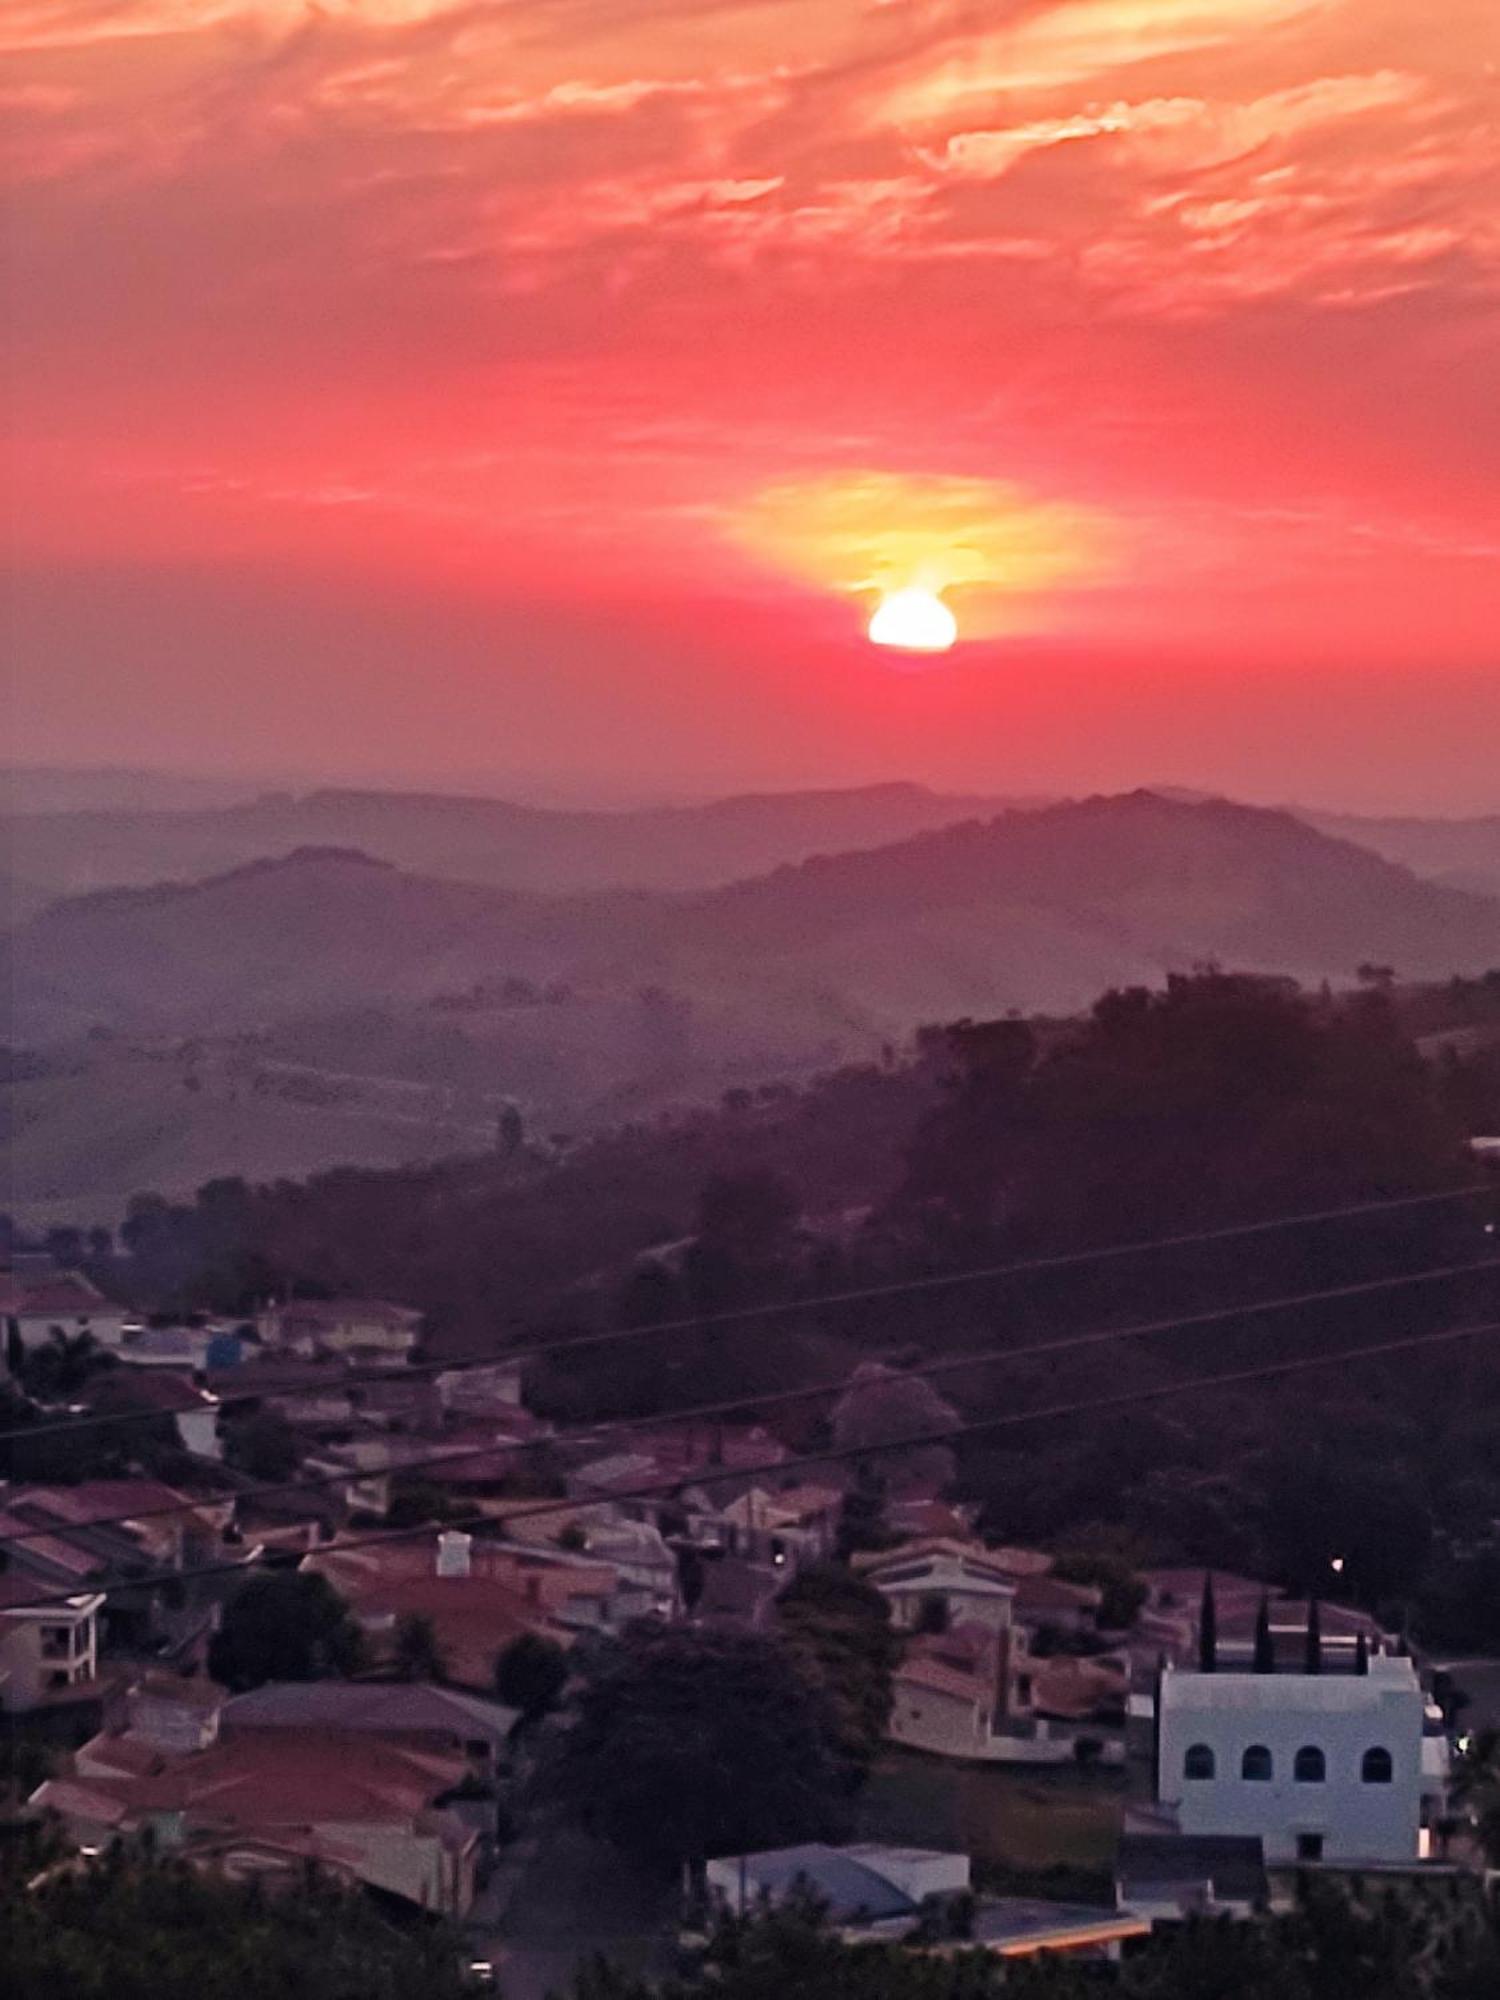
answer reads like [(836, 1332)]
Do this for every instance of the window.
[(1255, 1765), (1310, 1766), (1310, 1845), (1376, 1767), (1199, 1762)]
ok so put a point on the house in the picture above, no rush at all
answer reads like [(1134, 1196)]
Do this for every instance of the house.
[(877, 1893), (719, 1461), (1320, 1766), (121, 1539), (37, 1301), (348, 1329), (945, 1581), (49, 1653), (789, 1526), (862, 1886), (193, 1411), (446, 1719), (496, 1385), (369, 1808), (477, 1595)]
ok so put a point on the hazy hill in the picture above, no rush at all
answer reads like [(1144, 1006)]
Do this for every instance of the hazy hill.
[(333, 980), (478, 839), (1462, 852), (1032, 909)]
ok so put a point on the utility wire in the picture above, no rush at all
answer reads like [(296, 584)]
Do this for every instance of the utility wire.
[(779, 1398), (740, 1315), (947, 1435)]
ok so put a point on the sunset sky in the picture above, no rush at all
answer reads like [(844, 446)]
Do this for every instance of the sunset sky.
[(541, 393)]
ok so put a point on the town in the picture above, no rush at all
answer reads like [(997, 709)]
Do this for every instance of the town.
[(334, 1605)]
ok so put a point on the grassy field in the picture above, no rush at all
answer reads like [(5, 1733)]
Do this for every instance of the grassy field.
[(1053, 1831)]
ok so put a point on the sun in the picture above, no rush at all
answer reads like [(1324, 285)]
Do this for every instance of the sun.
[(915, 621)]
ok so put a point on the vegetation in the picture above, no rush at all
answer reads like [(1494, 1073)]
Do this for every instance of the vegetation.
[(1209, 1104), (417, 1656), (689, 1743), (133, 1927), (284, 1625), (1381, 1945), (838, 1633), (531, 1674)]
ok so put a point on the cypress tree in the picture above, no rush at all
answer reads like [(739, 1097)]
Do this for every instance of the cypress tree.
[(1313, 1664), (1265, 1647), (1208, 1628)]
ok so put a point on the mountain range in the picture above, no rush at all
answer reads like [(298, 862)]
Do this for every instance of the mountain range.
[(346, 987), (497, 841)]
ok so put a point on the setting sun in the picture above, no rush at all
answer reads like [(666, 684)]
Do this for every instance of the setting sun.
[(916, 621)]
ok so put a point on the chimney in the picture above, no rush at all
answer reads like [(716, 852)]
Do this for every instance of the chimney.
[(454, 1552)]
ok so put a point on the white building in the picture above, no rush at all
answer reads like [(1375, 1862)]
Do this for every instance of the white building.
[(47, 1651), (969, 1587), (1326, 1766)]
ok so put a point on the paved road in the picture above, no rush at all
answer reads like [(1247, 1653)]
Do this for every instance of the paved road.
[(560, 1901)]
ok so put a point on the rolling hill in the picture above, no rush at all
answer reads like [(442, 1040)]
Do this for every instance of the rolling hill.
[(331, 972), (1465, 853), (477, 839)]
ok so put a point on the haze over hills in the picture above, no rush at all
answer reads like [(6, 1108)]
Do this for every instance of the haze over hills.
[(475, 839), (351, 990), (1465, 853)]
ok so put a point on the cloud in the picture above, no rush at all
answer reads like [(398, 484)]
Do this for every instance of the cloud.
[(989, 543)]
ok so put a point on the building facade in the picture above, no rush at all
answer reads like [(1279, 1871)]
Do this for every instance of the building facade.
[(1320, 1766)]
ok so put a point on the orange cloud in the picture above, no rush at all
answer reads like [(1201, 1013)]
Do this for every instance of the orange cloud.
[(999, 553)]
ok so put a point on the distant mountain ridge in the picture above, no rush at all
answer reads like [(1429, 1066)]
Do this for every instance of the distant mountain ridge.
[(326, 1006), (1034, 909), (495, 841), (1465, 853)]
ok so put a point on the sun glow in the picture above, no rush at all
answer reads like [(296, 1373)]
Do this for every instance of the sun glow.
[(909, 541), (915, 621)]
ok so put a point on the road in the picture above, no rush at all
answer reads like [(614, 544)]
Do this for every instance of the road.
[(560, 1900)]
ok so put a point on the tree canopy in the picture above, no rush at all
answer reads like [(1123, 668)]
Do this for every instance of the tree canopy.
[(690, 1743), (136, 1928), (284, 1625)]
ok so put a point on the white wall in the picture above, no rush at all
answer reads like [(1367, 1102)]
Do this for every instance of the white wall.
[(1343, 1715)]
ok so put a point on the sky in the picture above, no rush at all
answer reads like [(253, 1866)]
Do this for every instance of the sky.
[(544, 392)]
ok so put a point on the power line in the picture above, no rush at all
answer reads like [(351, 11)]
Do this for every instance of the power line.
[(776, 1398), (868, 1294), (948, 1434)]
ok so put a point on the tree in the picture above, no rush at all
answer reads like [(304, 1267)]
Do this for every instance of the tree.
[(1265, 1645), (1122, 1591), (690, 1743), (1208, 1628), (838, 1632), (1313, 1652), (862, 1520), (285, 1625), (418, 1656), (530, 1675), (748, 1215), (142, 1928), (882, 1410), (263, 1445), (60, 1366)]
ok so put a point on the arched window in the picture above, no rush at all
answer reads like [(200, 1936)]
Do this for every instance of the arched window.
[(1199, 1761), (1310, 1767), (1376, 1767), (1256, 1764)]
